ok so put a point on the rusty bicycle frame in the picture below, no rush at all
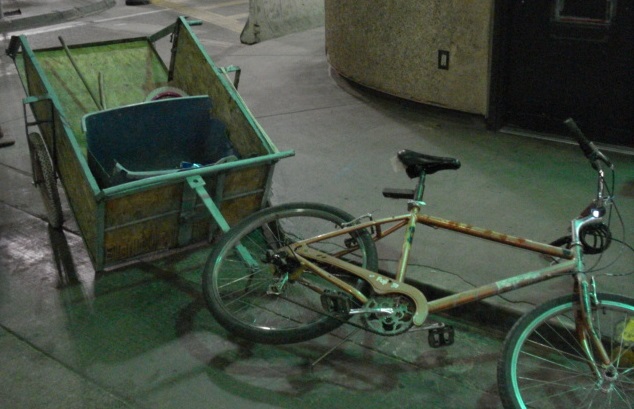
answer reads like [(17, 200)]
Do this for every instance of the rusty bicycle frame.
[(383, 284), (571, 263)]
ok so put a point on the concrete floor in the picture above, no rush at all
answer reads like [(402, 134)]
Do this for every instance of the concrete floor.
[(140, 336)]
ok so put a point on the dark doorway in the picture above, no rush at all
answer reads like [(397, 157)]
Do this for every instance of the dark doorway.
[(566, 58)]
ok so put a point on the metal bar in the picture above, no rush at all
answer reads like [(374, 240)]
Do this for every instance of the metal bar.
[(218, 196), (502, 286), (150, 183), (102, 91), (187, 211), (586, 311), (81, 76), (402, 220), (100, 255), (495, 236), (197, 183), (407, 246), (236, 78)]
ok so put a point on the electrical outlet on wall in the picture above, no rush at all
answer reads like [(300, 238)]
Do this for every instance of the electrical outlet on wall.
[(443, 59)]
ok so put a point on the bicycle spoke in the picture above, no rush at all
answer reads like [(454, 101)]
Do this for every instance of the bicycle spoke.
[(550, 397), (280, 301), (544, 366), (550, 348), (623, 398), (540, 383)]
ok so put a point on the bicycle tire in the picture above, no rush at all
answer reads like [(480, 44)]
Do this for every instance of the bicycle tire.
[(542, 365), (44, 179), (239, 297)]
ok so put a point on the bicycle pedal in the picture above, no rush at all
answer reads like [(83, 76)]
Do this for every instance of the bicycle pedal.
[(441, 337), (335, 303)]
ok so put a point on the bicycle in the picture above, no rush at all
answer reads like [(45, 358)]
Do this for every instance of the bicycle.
[(283, 275)]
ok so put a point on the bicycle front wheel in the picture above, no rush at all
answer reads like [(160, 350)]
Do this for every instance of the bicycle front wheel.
[(543, 364), (259, 291)]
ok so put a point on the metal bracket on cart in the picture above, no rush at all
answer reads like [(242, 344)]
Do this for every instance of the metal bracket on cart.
[(197, 183)]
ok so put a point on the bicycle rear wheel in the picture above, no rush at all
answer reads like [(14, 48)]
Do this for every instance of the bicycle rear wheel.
[(542, 365), (271, 298)]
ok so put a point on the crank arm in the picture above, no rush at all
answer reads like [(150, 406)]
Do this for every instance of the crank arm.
[(378, 311)]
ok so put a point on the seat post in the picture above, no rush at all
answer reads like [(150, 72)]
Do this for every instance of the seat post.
[(414, 207), (420, 187)]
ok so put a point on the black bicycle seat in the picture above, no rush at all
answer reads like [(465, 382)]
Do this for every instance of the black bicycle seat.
[(417, 163)]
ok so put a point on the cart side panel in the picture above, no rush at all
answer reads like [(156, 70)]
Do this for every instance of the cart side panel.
[(244, 192), (80, 193), (141, 223), (129, 71), (151, 220), (141, 217), (195, 73)]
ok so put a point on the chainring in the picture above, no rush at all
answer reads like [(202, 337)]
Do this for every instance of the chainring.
[(398, 322)]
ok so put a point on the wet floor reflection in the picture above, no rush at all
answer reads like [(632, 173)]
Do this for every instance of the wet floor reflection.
[(143, 331), (62, 258)]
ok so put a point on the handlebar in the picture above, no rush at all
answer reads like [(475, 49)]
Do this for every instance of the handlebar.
[(589, 150)]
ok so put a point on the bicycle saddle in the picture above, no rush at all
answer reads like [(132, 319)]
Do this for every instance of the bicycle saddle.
[(417, 163)]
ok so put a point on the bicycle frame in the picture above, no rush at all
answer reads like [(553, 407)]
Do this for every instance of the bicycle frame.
[(392, 304), (573, 265), (383, 284)]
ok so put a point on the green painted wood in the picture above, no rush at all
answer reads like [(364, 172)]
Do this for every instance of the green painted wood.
[(141, 217)]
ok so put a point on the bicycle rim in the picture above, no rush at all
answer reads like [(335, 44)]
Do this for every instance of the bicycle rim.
[(278, 300), (543, 365)]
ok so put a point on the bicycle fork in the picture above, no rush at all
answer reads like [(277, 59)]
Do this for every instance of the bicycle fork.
[(589, 338)]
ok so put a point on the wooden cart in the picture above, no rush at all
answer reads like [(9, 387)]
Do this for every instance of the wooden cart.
[(152, 155)]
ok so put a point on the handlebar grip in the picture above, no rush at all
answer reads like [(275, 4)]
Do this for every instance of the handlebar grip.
[(586, 146), (589, 150)]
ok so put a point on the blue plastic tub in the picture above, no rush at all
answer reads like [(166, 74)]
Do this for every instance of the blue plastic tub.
[(154, 138)]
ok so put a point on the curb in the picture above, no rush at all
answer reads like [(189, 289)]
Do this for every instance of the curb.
[(7, 25)]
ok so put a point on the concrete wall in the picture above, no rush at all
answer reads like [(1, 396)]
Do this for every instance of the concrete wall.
[(275, 18), (393, 46)]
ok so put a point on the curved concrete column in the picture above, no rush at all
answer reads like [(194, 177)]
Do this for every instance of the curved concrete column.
[(433, 51), (275, 18)]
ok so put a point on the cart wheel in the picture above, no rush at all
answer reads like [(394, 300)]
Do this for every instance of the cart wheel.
[(44, 179)]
